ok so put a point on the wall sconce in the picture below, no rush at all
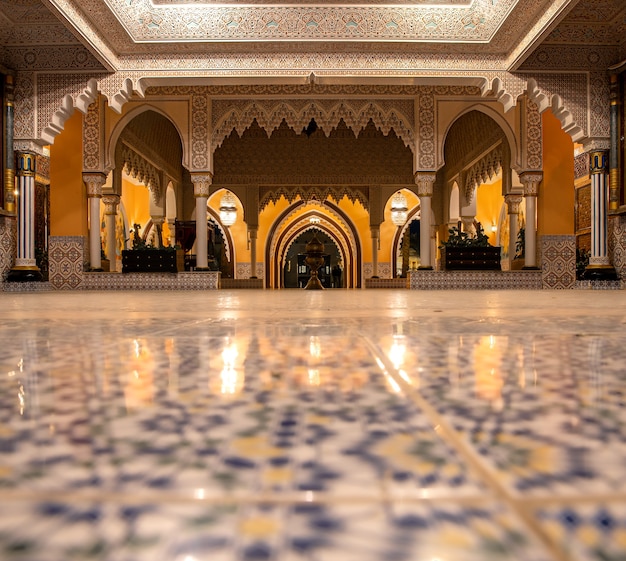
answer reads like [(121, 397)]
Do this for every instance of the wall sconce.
[(399, 209), (228, 209), (494, 228)]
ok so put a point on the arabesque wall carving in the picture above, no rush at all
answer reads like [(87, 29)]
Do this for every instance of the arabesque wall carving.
[(269, 114)]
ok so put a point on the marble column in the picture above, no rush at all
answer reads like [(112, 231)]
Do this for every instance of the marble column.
[(599, 267), (25, 268), (201, 187), (94, 183), (425, 184), (531, 181), (111, 202), (375, 232), (513, 203), (252, 236)]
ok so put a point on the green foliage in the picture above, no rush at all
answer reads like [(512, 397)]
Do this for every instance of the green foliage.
[(139, 244), (457, 238)]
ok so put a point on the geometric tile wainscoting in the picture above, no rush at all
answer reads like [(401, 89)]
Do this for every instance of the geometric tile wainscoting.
[(475, 280), (209, 280), (66, 258), (558, 261)]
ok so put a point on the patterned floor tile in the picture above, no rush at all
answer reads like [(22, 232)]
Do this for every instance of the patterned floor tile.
[(56, 530)]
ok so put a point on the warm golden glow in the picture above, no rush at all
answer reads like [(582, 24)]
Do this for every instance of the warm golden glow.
[(488, 369)]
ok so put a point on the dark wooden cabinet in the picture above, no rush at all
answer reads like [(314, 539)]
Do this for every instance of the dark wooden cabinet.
[(152, 261), (470, 258)]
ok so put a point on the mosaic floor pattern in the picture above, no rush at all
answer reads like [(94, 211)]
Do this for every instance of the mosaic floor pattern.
[(322, 426)]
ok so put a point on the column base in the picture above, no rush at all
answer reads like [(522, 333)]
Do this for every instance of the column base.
[(202, 269), (24, 274), (425, 268), (600, 272)]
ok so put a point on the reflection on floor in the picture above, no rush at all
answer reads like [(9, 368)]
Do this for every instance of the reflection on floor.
[(293, 425)]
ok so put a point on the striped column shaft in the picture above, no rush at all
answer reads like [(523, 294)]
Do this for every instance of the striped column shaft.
[(9, 155), (26, 211), (599, 201)]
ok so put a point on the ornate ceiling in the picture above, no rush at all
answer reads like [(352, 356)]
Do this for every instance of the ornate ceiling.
[(189, 36)]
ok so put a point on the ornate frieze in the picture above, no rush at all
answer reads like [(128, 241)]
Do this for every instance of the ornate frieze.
[(475, 22), (356, 114), (310, 193)]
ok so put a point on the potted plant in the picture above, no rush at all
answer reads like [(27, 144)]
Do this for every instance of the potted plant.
[(463, 252), (146, 258)]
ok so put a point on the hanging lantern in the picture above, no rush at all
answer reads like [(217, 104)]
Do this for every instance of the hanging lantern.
[(228, 209), (399, 209)]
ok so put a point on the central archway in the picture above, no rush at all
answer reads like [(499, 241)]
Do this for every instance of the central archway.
[(327, 218)]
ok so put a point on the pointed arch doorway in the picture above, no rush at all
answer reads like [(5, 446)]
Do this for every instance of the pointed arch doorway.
[(328, 222)]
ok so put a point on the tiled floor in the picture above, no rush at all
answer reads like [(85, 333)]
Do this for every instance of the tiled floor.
[(324, 426)]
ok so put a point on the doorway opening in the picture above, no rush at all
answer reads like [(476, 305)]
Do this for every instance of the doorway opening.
[(296, 272)]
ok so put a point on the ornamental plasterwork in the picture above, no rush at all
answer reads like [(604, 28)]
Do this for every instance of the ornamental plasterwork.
[(200, 147), (139, 168), (92, 141), (51, 57), (571, 90), (482, 171), (313, 194), (476, 22), (297, 113), (534, 136)]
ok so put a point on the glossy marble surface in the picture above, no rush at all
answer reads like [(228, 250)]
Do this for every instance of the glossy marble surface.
[(292, 425)]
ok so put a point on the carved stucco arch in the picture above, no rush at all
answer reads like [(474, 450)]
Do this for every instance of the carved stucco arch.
[(111, 142), (555, 102), (269, 114), (332, 221), (514, 144)]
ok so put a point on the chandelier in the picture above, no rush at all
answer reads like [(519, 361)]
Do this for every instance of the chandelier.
[(228, 209), (399, 209)]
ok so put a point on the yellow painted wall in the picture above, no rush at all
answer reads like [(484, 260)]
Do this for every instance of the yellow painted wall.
[(555, 204), (489, 201), (238, 231), (136, 203), (68, 196), (360, 218)]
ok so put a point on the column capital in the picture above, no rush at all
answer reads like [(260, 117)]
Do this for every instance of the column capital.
[(530, 180), (513, 203), (598, 162), (110, 201), (201, 184), (425, 182), (94, 182), (26, 164)]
